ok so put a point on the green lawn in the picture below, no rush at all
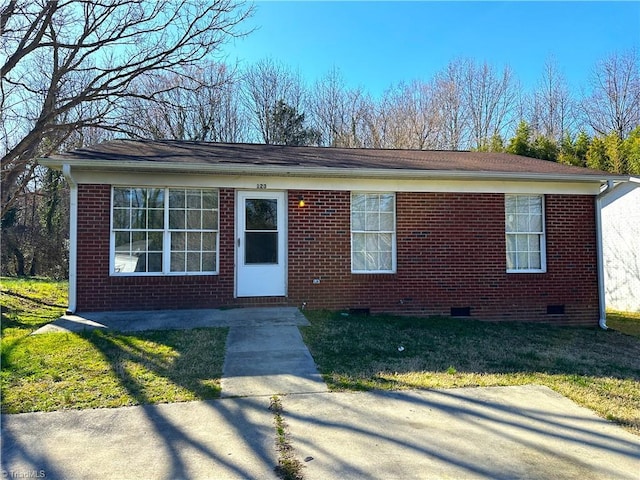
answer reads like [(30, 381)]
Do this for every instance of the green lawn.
[(97, 369), (595, 368)]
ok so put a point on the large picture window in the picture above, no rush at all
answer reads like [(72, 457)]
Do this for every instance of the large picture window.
[(373, 233), (164, 231), (525, 234)]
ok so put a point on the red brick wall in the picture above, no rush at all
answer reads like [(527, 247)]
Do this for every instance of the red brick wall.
[(450, 253), (97, 291)]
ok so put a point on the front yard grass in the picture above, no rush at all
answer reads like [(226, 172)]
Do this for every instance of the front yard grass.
[(97, 369), (597, 369)]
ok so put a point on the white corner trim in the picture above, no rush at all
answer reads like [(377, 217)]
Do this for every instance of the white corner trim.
[(73, 237)]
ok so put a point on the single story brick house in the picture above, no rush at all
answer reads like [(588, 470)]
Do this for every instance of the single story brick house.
[(180, 224)]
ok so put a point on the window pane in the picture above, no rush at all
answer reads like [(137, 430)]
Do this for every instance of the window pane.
[(372, 222), (386, 222), (193, 241), (155, 198), (209, 200), (535, 205), (261, 214), (522, 223), (522, 204), (209, 220), (178, 241), (385, 261), (156, 219), (510, 223), (261, 248), (139, 218), (358, 242), (511, 260), (358, 261), (193, 262), (535, 223), (372, 203), (358, 202), (534, 260), (371, 243), (121, 218), (522, 260), (372, 262), (155, 262), (177, 219), (139, 239), (121, 197), (138, 197), (357, 221), (209, 242), (194, 199), (194, 220), (176, 199), (155, 241), (386, 203), (510, 204), (177, 262), (385, 242), (123, 241), (208, 262)]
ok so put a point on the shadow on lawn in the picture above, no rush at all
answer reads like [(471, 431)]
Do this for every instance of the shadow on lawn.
[(186, 370)]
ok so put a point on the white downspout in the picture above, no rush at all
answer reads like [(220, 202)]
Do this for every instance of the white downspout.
[(73, 236), (600, 257)]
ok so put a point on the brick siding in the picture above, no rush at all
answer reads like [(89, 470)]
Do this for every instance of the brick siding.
[(450, 254)]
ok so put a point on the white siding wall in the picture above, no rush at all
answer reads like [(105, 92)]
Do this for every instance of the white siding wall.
[(621, 247)]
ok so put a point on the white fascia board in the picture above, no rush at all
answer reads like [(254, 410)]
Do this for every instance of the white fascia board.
[(323, 178), (247, 182)]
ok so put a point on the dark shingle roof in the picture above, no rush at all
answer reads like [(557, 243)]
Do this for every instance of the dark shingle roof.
[(194, 155)]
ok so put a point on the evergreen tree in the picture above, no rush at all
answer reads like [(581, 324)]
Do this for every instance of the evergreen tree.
[(288, 127), (596, 156), (545, 148), (520, 144), (631, 148)]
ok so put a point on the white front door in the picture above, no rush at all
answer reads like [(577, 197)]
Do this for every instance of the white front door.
[(260, 244)]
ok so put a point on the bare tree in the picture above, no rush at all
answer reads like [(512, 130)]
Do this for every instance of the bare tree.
[(490, 98), (266, 83), (201, 104), (452, 110), (613, 103), (551, 109), (344, 117), (69, 64), (410, 116)]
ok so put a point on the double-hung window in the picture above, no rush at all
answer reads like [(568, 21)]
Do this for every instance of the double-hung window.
[(159, 231), (525, 233), (373, 233)]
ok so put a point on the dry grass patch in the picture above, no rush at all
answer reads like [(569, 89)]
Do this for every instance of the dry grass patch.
[(595, 368)]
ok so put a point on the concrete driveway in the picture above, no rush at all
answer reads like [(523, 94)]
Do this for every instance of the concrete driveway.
[(497, 433)]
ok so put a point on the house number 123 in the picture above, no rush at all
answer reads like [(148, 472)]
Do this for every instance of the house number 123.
[(261, 186)]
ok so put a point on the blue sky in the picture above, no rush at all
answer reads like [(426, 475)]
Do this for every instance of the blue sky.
[(376, 44)]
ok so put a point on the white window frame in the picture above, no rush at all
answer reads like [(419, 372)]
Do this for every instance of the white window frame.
[(541, 234), (166, 234), (369, 231)]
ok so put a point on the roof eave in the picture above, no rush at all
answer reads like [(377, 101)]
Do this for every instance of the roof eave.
[(320, 172)]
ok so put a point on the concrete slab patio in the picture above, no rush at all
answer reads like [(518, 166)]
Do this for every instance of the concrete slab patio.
[(141, 320)]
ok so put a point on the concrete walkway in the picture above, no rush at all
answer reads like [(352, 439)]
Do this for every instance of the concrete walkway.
[(267, 360), (469, 433)]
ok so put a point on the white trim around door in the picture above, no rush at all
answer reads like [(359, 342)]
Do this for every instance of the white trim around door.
[(261, 236)]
